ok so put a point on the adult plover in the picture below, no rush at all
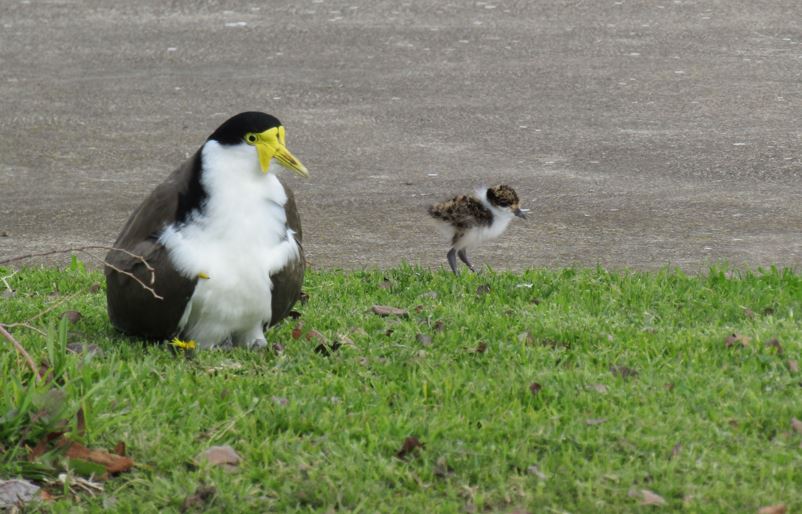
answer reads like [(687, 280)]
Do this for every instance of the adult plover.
[(470, 220), (222, 236)]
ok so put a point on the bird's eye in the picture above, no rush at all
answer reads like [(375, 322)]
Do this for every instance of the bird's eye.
[(251, 138), (503, 204)]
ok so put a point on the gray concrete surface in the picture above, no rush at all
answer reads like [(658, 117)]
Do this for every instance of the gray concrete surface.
[(640, 133)]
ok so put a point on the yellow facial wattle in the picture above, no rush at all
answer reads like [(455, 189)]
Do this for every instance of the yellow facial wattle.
[(270, 145)]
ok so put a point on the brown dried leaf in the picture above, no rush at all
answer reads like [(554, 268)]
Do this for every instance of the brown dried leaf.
[(535, 388), (793, 366), (72, 316), (650, 498), (774, 343), (297, 330), (623, 371), (424, 339), (779, 508), (482, 289), (439, 325), (314, 335), (411, 444), (224, 456), (481, 347), (41, 446), (202, 496), (736, 339), (113, 463), (796, 425), (80, 421), (595, 421), (119, 449), (386, 310)]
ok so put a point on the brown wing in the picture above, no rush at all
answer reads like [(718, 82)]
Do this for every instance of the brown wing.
[(132, 309), (462, 212), (288, 282)]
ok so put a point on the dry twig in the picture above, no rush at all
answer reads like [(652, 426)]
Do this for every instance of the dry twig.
[(84, 250), (21, 350)]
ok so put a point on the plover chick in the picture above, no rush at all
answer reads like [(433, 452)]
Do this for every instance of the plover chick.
[(471, 220)]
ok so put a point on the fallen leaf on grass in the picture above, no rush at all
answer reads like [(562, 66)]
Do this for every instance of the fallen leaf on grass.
[(623, 371), (314, 335), (89, 349), (738, 339), (599, 388), (297, 330), (80, 421), (224, 456), (535, 470), (424, 339), (112, 463), (202, 496), (442, 469), (482, 289), (526, 337), (119, 449), (796, 425), (595, 421), (779, 508), (411, 444), (72, 316), (15, 493), (481, 347), (676, 450), (535, 388), (386, 310), (793, 366), (439, 325), (650, 498), (775, 344)]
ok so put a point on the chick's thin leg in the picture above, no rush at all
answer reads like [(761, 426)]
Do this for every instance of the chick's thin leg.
[(452, 260), (463, 256)]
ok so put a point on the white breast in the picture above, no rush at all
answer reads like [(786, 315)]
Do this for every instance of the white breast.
[(238, 242)]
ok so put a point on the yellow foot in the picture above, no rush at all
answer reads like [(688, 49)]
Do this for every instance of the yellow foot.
[(184, 345)]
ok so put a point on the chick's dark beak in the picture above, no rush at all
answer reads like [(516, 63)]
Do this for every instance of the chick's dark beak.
[(521, 214)]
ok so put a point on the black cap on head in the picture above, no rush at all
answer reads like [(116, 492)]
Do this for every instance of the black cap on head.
[(233, 130)]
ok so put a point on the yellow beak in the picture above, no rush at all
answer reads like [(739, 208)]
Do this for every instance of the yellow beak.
[(270, 145)]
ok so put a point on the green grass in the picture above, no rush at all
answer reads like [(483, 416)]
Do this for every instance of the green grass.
[(320, 432)]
